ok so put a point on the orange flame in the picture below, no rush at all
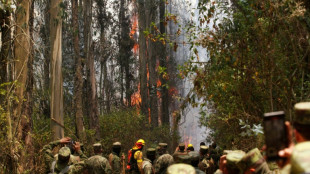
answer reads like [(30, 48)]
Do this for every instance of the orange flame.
[(134, 26)]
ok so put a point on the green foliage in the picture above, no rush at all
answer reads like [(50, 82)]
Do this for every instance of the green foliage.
[(257, 62), (127, 126)]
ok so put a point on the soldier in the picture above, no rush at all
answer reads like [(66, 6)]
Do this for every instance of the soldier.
[(300, 159), (180, 151), (253, 162), (147, 164), (206, 163), (164, 160), (229, 161), (215, 154), (181, 169), (135, 157), (162, 148), (301, 130), (190, 148), (195, 161), (96, 164), (63, 160), (114, 158)]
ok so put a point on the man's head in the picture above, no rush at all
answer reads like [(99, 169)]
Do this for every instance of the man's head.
[(203, 150), (232, 158), (302, 121), (181, 169), (182, 147), (190, 147), (202, 143), (97, 148), (253, 162), (64, 155), (162, 148), (140, 144), (117, 148), (194, 158), (151, 154)]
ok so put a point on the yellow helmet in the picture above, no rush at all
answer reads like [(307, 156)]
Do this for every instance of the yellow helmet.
[(189, 145), (141, 141)]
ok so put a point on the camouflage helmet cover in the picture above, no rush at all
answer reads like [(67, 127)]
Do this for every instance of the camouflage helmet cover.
[(64, 152), (181, 169), (251, 159), (233, 157), (302, 113)]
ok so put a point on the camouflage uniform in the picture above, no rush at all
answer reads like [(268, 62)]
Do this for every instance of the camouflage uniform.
[(181, 169), (300, 160), (96, 164), (115, 160), (181, 153), (206, 163), (162, 163), (253, 159), (53, 163), (147, 164), (195, 161)]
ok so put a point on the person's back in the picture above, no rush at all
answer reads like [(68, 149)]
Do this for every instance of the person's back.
[(98, 164), (114, 158), (162, 163)]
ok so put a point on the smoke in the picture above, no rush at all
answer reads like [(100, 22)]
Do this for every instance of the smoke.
[(186, 12)]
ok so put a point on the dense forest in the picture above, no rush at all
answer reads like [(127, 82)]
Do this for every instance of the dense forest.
[(106, 71)]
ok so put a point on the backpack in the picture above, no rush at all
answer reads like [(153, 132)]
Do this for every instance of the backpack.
[(132, 163)]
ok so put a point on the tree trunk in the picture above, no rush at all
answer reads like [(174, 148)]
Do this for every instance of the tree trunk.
[(78, 83), (46, 72), (56, 102), (5, 23), (143, 59), (163, 63), (93, 102), (22, 53), (151, 47)]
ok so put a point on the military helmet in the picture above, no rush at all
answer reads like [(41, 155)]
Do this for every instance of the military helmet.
[(97, 145), (300, 158), (252, 159), (186, 159), (117, 144), (204, 149), (163, 145), (64, 152), (181, 169), (194, 155), (302, 113), (181, 145), (150, 151), (233, 157)]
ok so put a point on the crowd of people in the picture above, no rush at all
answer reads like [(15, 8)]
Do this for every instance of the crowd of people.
[(295, 158)]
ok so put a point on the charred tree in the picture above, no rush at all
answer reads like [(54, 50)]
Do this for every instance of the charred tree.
[(163, 63), (78, 82)]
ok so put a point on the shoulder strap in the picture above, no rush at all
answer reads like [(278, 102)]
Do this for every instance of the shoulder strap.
[(53, 167)]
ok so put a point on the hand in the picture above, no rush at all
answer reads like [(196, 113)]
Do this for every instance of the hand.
[(65, 140), (287, 152), (223, 162), (77, 146)]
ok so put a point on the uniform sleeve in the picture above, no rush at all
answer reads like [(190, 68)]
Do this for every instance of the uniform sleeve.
[(48, 152), (139, 157), (108, 169), (116, 162), (157, 166), (82, 155), (147, 169)]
